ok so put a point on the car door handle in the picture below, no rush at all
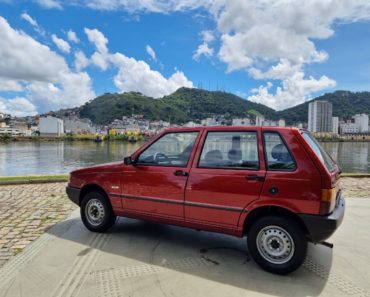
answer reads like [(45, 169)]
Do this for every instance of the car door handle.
[(181, 173), (255, 177)]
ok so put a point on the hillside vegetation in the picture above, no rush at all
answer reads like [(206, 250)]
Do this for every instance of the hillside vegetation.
[(345, 105), (195, 104), (183, 105)]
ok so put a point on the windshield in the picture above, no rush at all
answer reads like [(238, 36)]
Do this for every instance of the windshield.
[(319, 151)]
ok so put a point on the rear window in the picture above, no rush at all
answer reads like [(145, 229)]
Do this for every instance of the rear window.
[(278, 156), (319, 151)]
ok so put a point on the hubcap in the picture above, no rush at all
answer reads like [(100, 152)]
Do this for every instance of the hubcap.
[(94, 212), (275, 244)]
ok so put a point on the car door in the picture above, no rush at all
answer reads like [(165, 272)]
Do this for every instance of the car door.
[(226, 176), (155, 183)]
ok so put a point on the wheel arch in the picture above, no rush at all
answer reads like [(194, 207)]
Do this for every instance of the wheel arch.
[(262, 211), (91, 188)]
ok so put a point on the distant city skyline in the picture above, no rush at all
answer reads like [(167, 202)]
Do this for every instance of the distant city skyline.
[(59, 54)]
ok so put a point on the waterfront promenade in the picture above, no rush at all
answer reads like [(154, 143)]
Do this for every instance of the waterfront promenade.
[(139, 258), (28, 210)]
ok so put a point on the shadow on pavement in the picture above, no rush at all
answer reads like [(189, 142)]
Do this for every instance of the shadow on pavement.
[(229, 263)]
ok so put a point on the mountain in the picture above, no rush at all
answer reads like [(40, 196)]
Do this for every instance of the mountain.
[(183, 105), (195, 104), (345, 105)]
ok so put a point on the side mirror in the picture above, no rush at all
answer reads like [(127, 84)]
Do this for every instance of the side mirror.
[(128, 161)]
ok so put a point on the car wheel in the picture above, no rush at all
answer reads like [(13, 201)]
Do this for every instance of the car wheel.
[(96, 212), (277, 244)]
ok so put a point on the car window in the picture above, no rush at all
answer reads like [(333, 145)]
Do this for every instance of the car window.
[(173, 149), (230, 150), (278, 156), (319, 151)]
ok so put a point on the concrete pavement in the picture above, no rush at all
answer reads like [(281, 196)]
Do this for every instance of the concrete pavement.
[(145, 259)]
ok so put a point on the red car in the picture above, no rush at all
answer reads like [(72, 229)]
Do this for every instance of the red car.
[(275, 185)]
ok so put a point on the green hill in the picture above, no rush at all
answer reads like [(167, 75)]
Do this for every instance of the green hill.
[(195, 104), (183, 105), (345, 105)]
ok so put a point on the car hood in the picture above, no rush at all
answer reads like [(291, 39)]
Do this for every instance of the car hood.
[(107, 167)]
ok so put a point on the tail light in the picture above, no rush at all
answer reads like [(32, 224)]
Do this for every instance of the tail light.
[(327, 200)]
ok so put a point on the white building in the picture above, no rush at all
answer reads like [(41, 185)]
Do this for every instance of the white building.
[(191, 124), (241, 122), (259, 120), (335, 125), (281, 123), (77, 126), (349, 128), (209, 122), (320, 116), (51, 126), (362, 122)]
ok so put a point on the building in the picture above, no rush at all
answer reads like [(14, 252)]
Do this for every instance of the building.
[(320, 116), (281, 123), (348, 128), (209, 122), (241, 122), (78, 126), (259, 120), (335, 125), (362, 122), (51, 126)]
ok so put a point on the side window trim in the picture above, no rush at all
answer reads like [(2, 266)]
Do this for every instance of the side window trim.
[(167, 165), (197, 163), (287, 147)]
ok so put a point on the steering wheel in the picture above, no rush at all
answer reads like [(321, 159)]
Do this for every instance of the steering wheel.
[(161, 158)]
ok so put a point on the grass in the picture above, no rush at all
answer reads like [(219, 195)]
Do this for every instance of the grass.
[(358, 174), (33, 178)]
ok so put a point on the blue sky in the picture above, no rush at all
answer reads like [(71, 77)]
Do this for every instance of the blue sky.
[(279, 53)]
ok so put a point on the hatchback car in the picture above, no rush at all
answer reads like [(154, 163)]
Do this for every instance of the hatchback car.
[(274, 185)]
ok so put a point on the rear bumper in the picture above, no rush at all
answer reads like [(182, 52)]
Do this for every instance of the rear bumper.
[(322, 227), (73, 194)]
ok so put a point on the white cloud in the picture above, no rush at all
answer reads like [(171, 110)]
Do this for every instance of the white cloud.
[(61, 44), (137, 76), (203, 49), (24, 58), (274, 40), (72, 37), (47, 80), (10, 86), (98, 39), (72, 89), (296, 86), (81, 61), (133, 75), (49, 3), (158, 6), (29, 19), (18, 106), (25, 16), (207, 36), (151, 52)]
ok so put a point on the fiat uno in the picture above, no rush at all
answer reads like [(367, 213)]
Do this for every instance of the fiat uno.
[(274, 185)]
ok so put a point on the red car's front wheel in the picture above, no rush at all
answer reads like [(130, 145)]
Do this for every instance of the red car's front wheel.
[(96, 212)]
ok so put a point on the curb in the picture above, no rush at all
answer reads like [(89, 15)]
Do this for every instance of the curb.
[(33, 181)]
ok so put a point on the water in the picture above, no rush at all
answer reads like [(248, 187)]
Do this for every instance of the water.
[(27, 158)]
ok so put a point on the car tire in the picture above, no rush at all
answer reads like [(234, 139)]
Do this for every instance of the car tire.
[(277, 244), (96, 212)]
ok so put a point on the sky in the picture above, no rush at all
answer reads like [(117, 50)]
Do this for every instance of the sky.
[(59, 54)]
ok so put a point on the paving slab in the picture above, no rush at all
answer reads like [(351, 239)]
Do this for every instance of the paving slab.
[(138, 258)]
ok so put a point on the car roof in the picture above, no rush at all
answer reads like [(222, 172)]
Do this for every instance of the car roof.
[(225, 128)]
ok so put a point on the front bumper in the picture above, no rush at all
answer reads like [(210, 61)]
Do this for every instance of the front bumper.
[(73, 194), (322, 227)]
